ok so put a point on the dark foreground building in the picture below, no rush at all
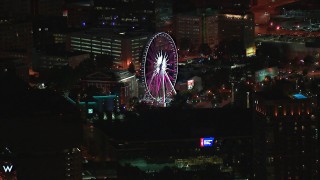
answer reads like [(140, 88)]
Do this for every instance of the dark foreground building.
[(172, 138), (286, 142), (40, 134)]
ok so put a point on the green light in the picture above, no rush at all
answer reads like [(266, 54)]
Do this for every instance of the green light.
[(104, 97), (90, 103)]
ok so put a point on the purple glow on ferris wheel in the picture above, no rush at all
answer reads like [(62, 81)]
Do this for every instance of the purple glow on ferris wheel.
[(160, 63)]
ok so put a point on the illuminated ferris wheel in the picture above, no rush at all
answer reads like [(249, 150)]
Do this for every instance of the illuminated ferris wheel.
[(160, 68)]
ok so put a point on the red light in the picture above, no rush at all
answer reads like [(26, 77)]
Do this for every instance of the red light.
[(201, 142), (65, 13), (271, 24), (278, 27)]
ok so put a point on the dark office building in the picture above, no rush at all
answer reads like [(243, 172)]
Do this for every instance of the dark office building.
[(14, 66), (49, 32), (78, 13), (16, 38), (13, 8)]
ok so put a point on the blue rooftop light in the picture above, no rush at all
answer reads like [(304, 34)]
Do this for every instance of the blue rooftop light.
[(83, 23), (299, 96)]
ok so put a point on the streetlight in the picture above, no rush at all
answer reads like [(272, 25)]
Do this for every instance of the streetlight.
[(248, 100)]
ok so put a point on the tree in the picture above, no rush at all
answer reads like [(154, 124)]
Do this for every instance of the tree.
[(131, 68), (205, 49), (104, 61), (308, 60), (180, 99), (85, 67), (185, 44)]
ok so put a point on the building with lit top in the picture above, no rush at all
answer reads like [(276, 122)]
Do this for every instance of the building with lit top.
[(237, 26), (125, 47), (286, 142), (212, 27)]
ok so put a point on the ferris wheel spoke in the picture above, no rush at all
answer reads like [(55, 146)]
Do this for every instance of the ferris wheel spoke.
[(170, 77), (158, 86), (163, 88), (152, 50), (149, 73), (151, 61), (169, 81), (172, 70), (151, 80), (155, 85)]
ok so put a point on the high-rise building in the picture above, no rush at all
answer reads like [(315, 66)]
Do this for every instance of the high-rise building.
[(237, 26), (193, 28), (15, 66), (79, 14), (16, 38), (164, 16), (49, 8), (11, 8), (17, 26), (286, 142), (49, 32), (126, 13), (16, 8), (125, 47)]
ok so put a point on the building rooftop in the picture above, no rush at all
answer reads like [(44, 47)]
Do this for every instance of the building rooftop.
[(110, 75), (171, 123), (54, 52), (118, 33), (272, 95), (302, 5)]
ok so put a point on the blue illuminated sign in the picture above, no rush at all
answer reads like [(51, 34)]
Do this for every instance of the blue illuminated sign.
[(90, 111), (206, 142), (299, 96)]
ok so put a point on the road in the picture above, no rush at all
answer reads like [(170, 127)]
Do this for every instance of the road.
[(263, 12), (97, 144), (272, 5)]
